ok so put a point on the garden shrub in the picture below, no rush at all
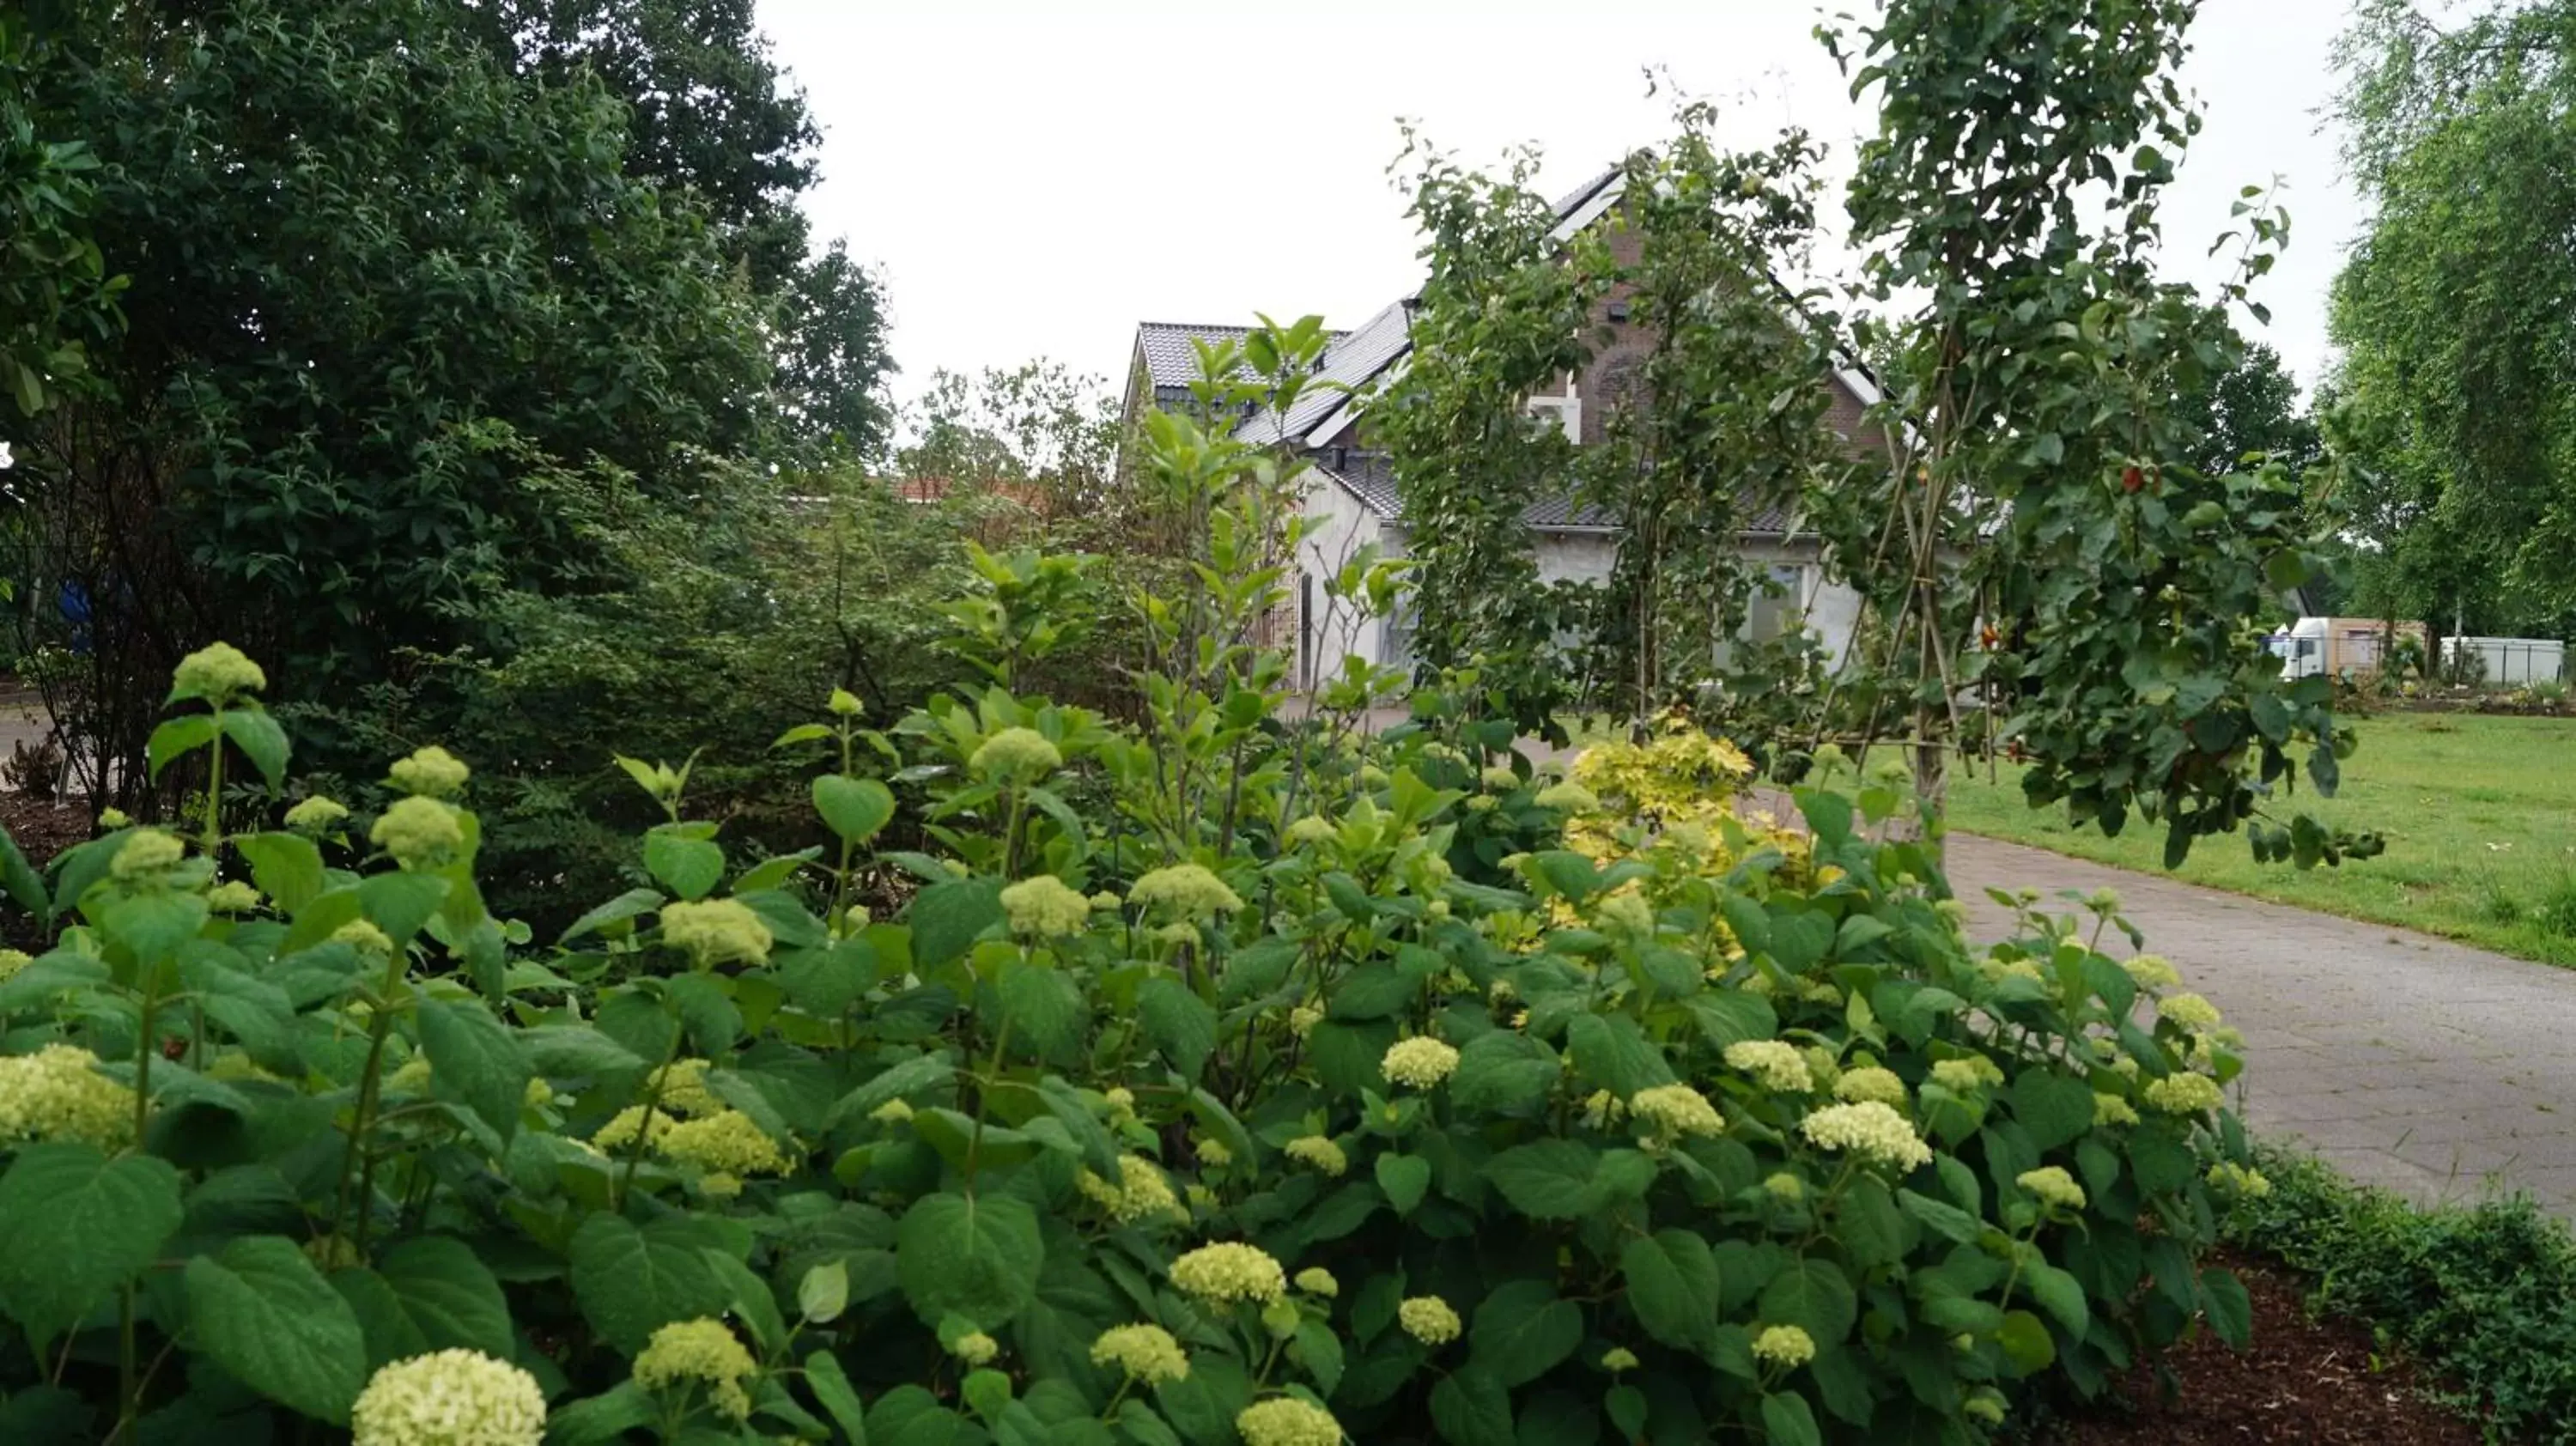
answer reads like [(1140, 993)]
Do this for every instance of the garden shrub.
[(2483, 1295), (1220, 1081)]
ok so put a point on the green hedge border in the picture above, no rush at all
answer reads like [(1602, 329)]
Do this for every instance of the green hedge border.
[(2483, 1295)]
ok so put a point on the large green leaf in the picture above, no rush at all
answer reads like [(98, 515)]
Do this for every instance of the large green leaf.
[(261, 1311), (911, 1077), (2052, 1107), (1615, 1054), (1522, 1330), (2231, 1310), (1503, 1072), (1548, 1179), (840, 1400), (474, 1059), (855, 808), (1181, 1025), (1814, 1295), (976, 1257), (286, 866), (1471, 1408), (1043, 1007), (947, 917), (688, 867), (449, 1295), (257, 735), (77, 1225), (1789, 1421), (1672, 1284), (1405, 1179), (631, 1280)]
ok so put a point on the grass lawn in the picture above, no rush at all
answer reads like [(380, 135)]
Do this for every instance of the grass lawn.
[(2479, 813)]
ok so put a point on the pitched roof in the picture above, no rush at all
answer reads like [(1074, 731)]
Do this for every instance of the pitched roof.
[(1171, 348), (1351, 362)]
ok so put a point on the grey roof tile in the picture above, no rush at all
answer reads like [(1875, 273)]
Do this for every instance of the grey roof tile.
[(1354, 360), (1171, 351)]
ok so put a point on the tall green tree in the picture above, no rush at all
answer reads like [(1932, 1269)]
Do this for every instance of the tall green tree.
[(2457, 309), (2033, 368), (711, 113), (406, 332), (2249, 406)]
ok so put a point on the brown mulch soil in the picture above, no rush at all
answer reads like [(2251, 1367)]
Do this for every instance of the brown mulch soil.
[(41, 829), (2313, 1382)]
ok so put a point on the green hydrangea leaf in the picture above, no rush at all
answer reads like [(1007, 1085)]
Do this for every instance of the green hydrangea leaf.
[(855, 808), (475, 1060), (1672, 1280), (261, 1311), (1522, 1330), (78, 1225), (1181, 1025), (975, 1257), (1548, 1179), (631, 1280)]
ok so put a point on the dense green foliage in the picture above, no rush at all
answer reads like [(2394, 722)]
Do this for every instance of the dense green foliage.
[(2110, 596), (2484, 1295), (419, 312), (1571, 1110), (2454, 312), (55, 295)]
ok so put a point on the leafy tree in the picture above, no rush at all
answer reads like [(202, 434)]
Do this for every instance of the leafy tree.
[(2248, 407), (2035, 359), (1502, 316), (2457, 310), (710, 112), (376, 373), (55, 295)]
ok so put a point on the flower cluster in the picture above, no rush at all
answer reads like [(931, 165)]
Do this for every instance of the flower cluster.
[(724, 1143), (315, 814), (1676, 1110), (1420, 1062), (57, 1093), (1429, 1319), (715, 931), (1287, 1421), (418, 832), (1785, 1346), (2152, 971), (1570, 797), (1861, 1086), (1188, 891), (702, 1351), (2185, 1094), (1016, 753), (1140, 1194), (232, 896), (2235, 1179), (1960, 1076), (449, 1398), (1045, 907), (2051, 1185), (1319, 1152), (145, 854), (2113, 1110), (2190, 1011), (218, 673), (1775, 1063), (431, 772), (1310, 830), (1230, 1271), (1870, 1130), (1316, 1280), (1147, 1353), (975, 1348)]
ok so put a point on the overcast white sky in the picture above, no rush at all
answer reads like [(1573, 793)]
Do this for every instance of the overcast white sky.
[(1034, 177)]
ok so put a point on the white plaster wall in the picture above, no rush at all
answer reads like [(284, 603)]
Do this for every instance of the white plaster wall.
[(1576, 556), (1340, 528)]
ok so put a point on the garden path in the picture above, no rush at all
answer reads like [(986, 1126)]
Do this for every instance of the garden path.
[(2437, 1070)]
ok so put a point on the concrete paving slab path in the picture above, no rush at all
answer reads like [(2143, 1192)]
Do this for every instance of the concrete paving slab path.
[(2437, 1070)]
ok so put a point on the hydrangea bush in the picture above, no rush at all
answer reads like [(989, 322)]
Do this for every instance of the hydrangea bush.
[(1218, 1079)]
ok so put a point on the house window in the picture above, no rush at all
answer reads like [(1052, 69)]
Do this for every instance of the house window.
[(1780, 608), (1565, 410)]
